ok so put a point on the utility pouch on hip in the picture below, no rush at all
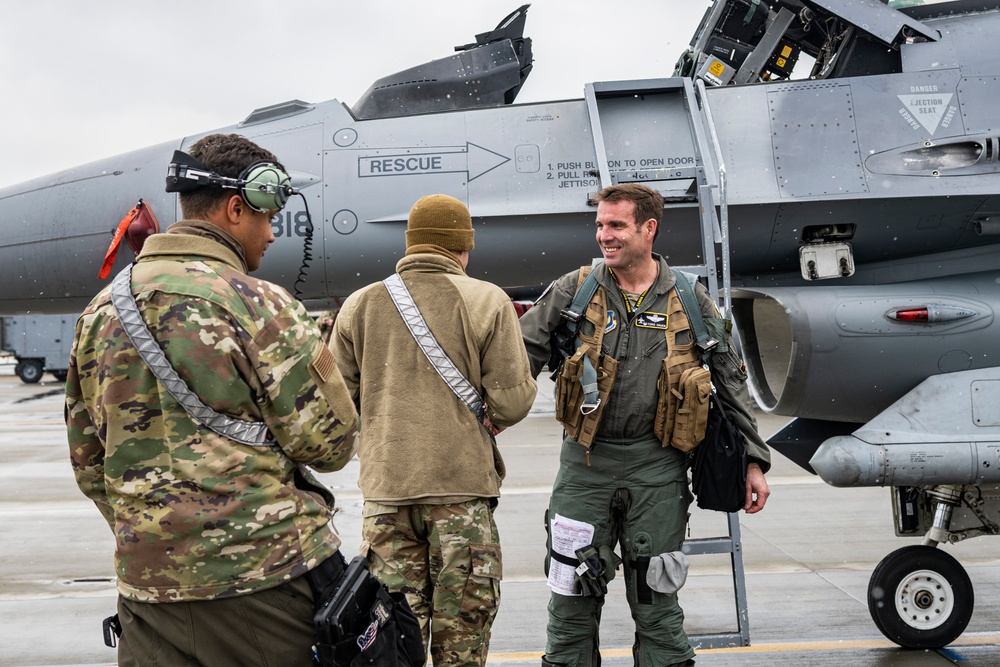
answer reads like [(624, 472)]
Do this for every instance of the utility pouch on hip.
[(691, 417), (569, 393), (580, 425)]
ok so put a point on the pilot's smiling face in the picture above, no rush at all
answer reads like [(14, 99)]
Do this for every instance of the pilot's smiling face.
[(622, 242)]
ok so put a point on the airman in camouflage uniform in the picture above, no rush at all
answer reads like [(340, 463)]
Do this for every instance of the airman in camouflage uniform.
[(212, 536), (430, 472)]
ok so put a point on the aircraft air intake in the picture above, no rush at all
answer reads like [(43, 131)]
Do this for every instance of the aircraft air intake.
[(845, 353)]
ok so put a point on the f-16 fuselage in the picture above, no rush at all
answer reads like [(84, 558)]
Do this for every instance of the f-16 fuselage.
[(899, 163)]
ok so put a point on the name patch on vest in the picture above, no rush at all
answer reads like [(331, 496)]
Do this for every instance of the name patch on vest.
[(651, 320), (611, 322)]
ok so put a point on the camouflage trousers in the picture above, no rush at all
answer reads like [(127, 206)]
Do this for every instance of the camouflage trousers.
[(446, 559)]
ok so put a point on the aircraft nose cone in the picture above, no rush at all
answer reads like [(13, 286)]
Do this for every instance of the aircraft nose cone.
[(846, 461)]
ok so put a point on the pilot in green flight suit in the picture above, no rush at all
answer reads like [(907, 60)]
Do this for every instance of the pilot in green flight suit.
[(616, 477)]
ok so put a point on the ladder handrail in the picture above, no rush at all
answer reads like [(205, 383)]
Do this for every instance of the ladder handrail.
[(723, 200), (604, 174)]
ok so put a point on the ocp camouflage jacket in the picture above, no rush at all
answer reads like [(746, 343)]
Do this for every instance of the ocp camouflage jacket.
[(194, 514)]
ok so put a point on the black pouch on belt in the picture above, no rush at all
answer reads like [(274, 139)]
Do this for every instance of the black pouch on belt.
[(359, 622)]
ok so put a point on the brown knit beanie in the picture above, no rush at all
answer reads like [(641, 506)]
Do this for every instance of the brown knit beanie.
[(442, 221)]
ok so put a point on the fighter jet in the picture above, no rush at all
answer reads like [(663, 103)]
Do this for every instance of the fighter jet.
[(830, 169)]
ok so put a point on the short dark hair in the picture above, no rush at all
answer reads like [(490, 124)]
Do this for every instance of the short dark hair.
[(227, 155), (648, 202)]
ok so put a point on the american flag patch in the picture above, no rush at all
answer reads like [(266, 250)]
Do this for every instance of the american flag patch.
[(367, 638)]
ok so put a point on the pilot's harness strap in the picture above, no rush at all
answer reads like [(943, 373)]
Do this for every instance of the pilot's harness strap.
[(703, 340), (588, 376), (431, 348), (254, 434)]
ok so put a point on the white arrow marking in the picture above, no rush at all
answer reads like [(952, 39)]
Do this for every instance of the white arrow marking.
[(473, 160)]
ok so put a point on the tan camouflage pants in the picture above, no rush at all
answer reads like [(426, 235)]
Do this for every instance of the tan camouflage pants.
[(446, 559)]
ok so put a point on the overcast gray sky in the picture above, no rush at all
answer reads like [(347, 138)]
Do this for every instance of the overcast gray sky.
[(83, 80)]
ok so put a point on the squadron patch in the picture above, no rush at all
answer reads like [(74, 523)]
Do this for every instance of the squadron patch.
[(611, 322), (651, 320)]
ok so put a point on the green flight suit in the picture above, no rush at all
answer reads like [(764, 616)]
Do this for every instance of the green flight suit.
[(634, 491)]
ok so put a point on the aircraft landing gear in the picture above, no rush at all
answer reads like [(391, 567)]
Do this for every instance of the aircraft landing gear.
[(29, 370), (920, 597)]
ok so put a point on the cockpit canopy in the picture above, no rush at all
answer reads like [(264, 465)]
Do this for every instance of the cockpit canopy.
[(486, 73)]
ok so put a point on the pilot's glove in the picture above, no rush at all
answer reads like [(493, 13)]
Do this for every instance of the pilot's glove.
[(590, 572)]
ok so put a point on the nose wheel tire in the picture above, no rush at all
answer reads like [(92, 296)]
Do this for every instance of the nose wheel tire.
[(920, 597)]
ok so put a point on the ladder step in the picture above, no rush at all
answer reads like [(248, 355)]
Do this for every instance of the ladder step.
[(710, 545), (698, 269), (720, 640), (646, 175)]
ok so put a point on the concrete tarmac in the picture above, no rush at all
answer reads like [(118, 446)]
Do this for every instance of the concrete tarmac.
[(808, 558)]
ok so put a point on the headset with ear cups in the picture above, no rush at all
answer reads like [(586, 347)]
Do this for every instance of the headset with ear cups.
[(263, 185)]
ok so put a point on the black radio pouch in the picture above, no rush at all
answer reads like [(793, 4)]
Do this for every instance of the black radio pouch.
[(359, 622)]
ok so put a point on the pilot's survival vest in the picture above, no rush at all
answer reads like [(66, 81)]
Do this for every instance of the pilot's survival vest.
[(683, 387)]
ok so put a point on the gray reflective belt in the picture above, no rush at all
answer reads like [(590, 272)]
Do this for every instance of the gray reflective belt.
[(254, 434), (430, 347)]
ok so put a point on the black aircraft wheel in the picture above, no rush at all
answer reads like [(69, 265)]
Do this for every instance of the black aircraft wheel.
[(920, 597), (30, 371)]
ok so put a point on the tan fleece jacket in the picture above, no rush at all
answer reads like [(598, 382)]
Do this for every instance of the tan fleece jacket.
[(419, 442)]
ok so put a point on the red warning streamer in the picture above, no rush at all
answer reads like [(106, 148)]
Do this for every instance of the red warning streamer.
[(140, 211)]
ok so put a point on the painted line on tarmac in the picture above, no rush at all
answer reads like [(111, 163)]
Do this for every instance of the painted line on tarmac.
[(355, 494), (56, 422), (36, 469), (497, 658), (55, 508)]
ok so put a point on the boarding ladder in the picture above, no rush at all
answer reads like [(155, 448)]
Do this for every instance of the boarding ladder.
[(660, 132)]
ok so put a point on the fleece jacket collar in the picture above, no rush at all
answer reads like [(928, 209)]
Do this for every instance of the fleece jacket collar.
[(430, 262), (196, 237)]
